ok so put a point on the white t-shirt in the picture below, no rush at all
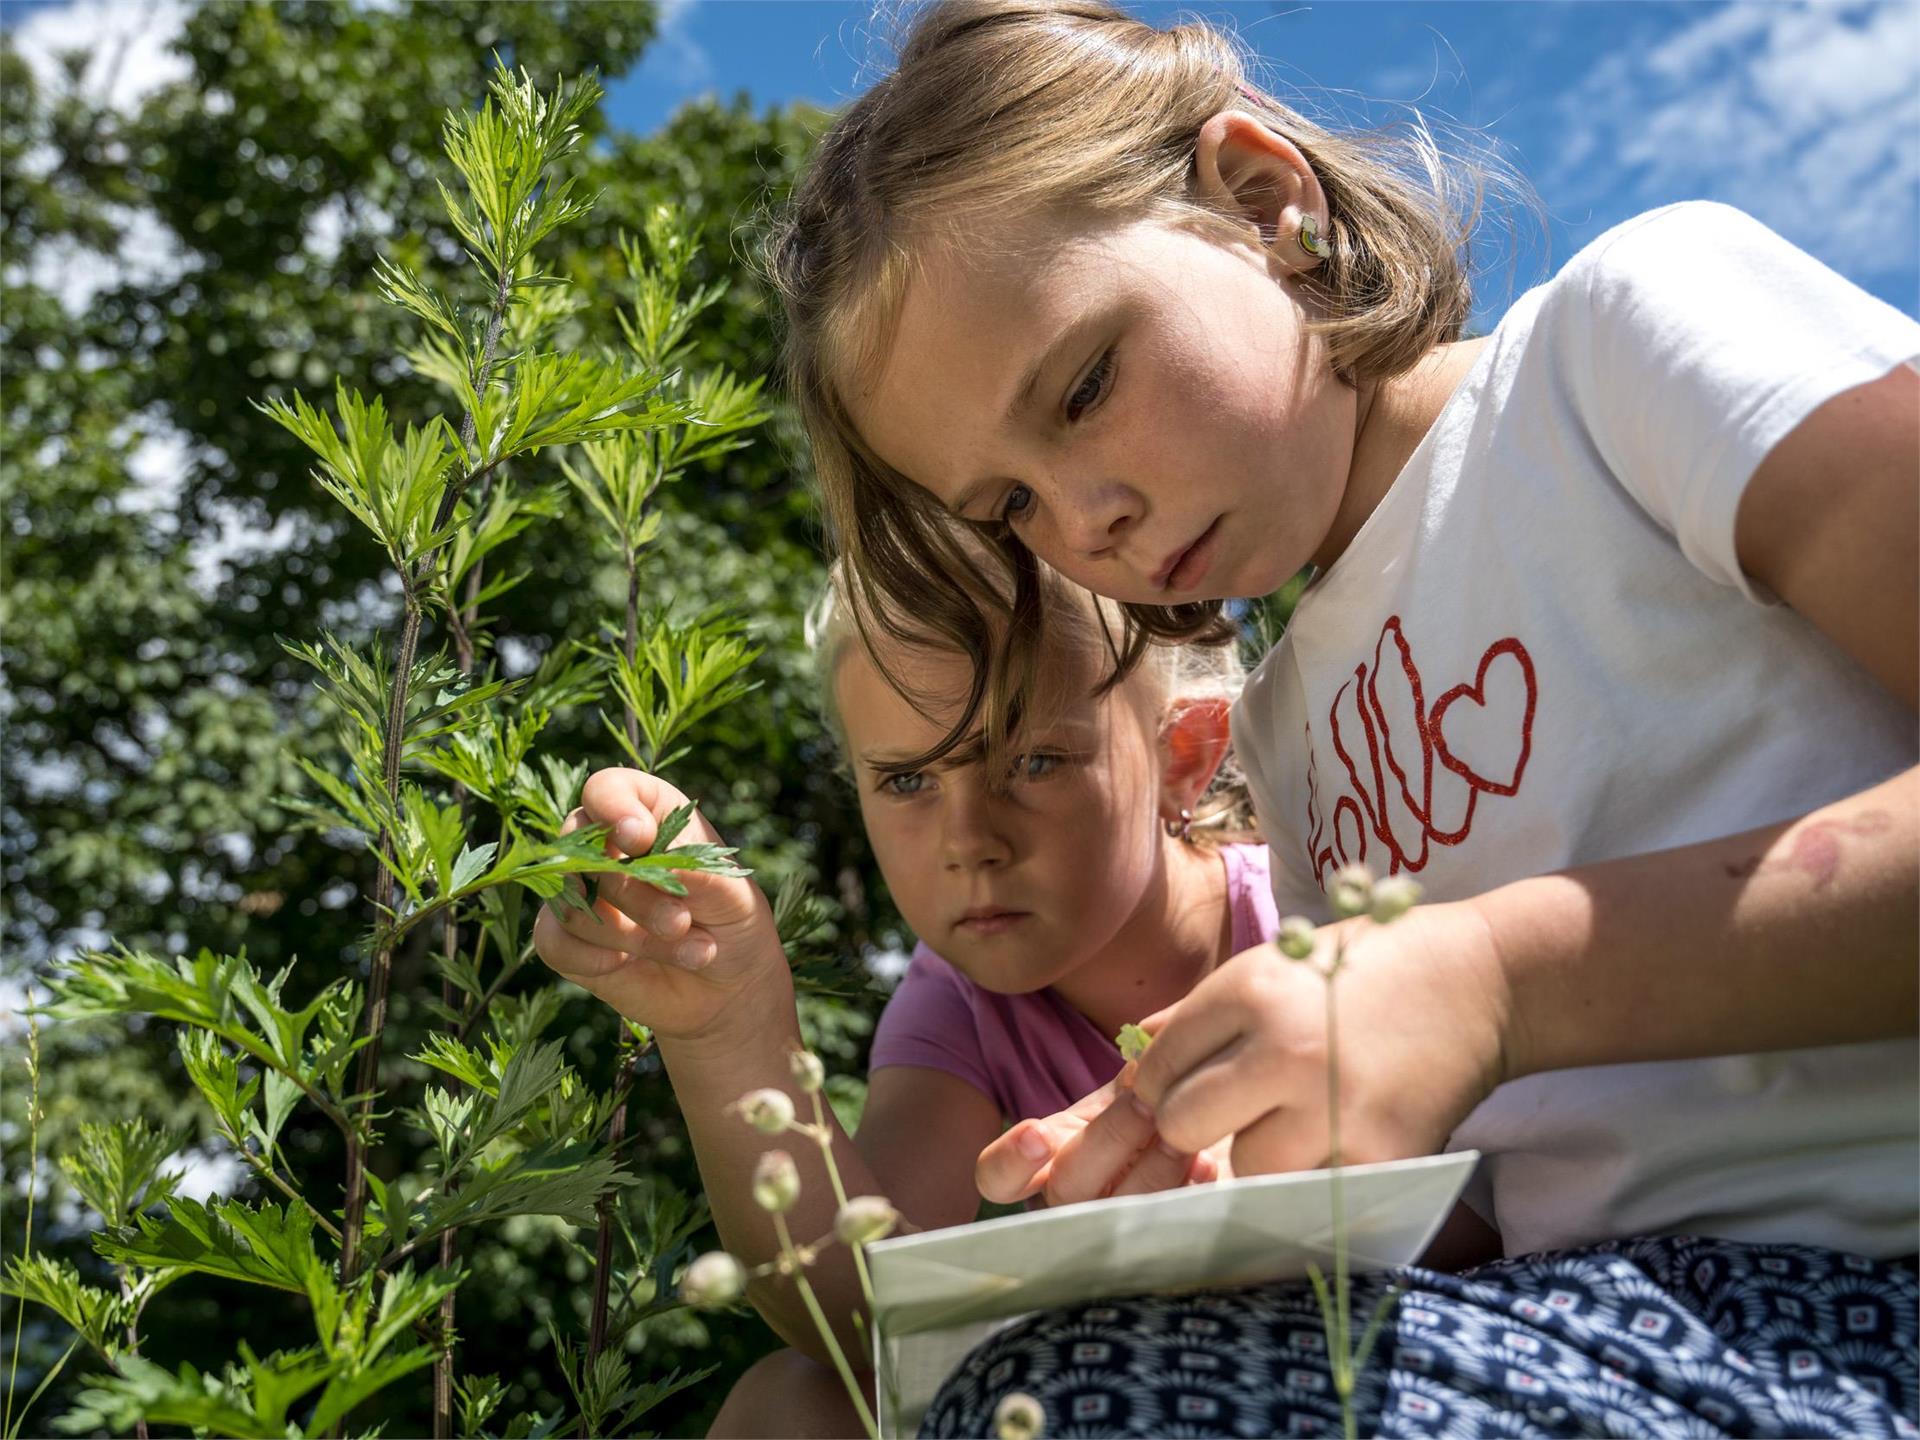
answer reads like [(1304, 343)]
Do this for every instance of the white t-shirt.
[(1539, 651)]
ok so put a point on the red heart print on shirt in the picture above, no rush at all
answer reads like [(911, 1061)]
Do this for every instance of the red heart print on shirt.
[(1414, 776), (1483, 744)]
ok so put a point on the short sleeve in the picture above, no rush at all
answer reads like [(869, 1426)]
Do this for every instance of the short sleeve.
[(1695, 341), (928, 1022)]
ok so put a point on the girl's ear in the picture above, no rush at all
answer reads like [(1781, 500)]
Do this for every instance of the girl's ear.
[(1245, 169), (1193, 742)]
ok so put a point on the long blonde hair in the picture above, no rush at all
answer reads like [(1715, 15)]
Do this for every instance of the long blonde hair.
[(1061, 106)]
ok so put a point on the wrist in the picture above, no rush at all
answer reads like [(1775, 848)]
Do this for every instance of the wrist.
[(1524, 924), (759, 1012)]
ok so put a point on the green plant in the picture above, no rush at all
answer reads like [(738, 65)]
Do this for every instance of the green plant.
[(1353, 893), (434, 781), (717, 1278)]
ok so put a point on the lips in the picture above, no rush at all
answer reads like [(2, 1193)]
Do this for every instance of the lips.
[(990, 919), (1185, 568)]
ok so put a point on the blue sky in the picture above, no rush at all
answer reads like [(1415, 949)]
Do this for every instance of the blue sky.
[(1808, 116)]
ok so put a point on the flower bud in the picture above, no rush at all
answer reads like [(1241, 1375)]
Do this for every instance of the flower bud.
[(768, 1111), (1295, 937), (1019, 1416), (1392, 898), (808, 1073), (1351, 891), (776, 1182), (865, 1218), (715, 1279), (1132, 1042)]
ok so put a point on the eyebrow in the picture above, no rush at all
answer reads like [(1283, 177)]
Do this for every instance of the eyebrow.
[(1022, 399)]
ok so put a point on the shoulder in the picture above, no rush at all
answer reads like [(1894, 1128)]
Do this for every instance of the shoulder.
[(1700, 265)]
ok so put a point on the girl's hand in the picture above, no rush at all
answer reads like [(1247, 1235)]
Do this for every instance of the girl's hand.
[(1423, 1012), (1105, 1144), (673, 963)]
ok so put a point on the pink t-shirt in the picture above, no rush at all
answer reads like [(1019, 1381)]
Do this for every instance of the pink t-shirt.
[(1033, 1054)]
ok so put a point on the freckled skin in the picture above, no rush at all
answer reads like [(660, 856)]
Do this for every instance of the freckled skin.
[(1220, 402)]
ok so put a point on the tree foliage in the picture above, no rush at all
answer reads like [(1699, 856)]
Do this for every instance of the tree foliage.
[(173, 838)]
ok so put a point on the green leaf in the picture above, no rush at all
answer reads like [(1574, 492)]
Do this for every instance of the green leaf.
[(264, 1246), (98, 1317), (562, 1180), (116, 1168)]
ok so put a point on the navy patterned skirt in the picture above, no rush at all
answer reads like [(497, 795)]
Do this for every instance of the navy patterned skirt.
[(1651, 1337)]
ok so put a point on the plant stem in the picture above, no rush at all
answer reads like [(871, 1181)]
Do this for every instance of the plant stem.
[(633, 640), (628, 1051), (824, 1138), (603, 1240), (133, 1337), (33, 1184), (464, 618), (858, 1395), (1343, 1377), (367, 1076), (263, 1167)]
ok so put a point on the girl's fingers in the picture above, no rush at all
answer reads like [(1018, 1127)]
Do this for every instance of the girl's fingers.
[(579, 960), (1090, 1163), (1281, 1141), (607, 927), (1189, 1035), (1016, 1165), (1221, 1096), (1158, 1167)]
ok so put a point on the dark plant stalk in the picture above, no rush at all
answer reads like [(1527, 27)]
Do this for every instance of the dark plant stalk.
[(367, 1076), (464, 616), (629, 1054), (133, 1337)]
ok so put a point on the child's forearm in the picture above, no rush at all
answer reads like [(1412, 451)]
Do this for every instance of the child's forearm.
[(709, 1074), (1797, 934)]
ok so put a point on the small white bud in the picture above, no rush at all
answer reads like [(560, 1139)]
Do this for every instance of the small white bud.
[(713, 1280), (776, 1182), (1392, 898), (768, 1111), (1295, 937), (1351, 891), (808, 1073), (1019, 1417), (863, 1219)]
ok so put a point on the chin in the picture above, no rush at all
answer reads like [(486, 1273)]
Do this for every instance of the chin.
[(1002, 974)]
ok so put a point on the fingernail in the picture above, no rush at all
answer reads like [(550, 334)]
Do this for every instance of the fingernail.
[(1032, 1144), (668, 919), (629, 835), (692, 953), (1140, 1107)]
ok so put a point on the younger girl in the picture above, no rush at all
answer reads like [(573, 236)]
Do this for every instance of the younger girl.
[(1056, 899), (1612, 640)]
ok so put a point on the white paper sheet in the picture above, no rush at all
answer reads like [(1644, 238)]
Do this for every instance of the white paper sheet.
[(938, 1294)]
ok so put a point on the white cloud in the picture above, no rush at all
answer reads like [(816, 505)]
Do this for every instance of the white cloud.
[(127, 42), (685, 57), (1807, 117)]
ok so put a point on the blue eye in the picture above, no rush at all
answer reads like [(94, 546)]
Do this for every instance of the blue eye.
[(1091, 390), (904, 785), (1034, 766), (1019, 500)]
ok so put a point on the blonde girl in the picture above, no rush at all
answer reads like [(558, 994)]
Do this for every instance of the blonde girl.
[(1091, 880), (1611, 641)]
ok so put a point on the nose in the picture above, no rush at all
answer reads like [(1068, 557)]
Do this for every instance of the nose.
[(1094, 519), (971, 836)]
